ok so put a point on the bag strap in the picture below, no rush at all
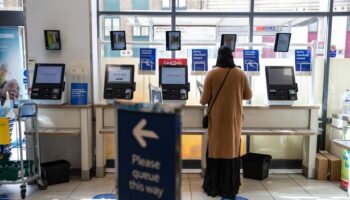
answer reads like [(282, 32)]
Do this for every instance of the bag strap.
[(217, 94)]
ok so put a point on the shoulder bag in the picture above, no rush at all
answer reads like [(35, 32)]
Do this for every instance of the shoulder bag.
[(205, 121)]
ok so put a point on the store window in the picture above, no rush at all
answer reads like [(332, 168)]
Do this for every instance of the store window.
[(341, 6), (135, 5), (340, 62), (166, 4), (11, 5), (206, 35), (214, 5), (291, 6), (140, 5), (306, 32), (180, 4), (109, 24), (141, 32), (109, 5)]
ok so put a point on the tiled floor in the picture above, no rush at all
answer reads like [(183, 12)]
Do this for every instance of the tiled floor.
[(277, 186)]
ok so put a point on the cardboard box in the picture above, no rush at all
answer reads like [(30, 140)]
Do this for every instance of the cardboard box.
[(321, 167), (334, 166)]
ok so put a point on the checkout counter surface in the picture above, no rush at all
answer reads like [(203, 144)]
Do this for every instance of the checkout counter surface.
[(345, 144), (260, 120)]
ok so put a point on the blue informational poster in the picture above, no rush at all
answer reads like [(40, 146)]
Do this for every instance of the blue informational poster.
[(148, 153), (11, 62), (79, 93), (333, 51), (251, 60), (199, 59), (147, 59), (25, 76), (302, 60)]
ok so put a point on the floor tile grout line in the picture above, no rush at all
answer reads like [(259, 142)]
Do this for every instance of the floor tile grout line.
[(300, 185), (75, 189), (189, 183), (261, 183)]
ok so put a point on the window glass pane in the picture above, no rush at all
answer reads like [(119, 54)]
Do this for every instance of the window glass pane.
[(165, 3), (339, 67), (133, 5), (307, 33), (214, 5), (341, 5), (148, 37), (291, 6), (145, 31), (207, 35), (108, 26), (109, 5), (137, 30), (108, 23), (181, 3), (11, 4)]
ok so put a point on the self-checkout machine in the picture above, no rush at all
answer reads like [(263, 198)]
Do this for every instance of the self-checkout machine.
[(281, 86), (173, 79), (119, 82), (282, 93), (48, 86), (119, 79), (173, 73)]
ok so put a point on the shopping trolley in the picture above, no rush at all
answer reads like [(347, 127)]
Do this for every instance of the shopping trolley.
[(23, 171)]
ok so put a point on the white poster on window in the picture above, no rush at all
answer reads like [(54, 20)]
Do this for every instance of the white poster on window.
[(188, 34)]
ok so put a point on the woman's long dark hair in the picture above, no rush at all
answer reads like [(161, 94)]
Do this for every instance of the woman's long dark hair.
[(225, 57)]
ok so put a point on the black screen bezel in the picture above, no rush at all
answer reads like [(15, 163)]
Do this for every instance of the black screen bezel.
[(173, 66), (47, 42), (277, 42), (167, 40), (112, 40), (223, 41), (132, 67), (267, 68), (37, 65)]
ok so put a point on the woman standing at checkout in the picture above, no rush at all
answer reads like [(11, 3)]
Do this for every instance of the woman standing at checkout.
[(225, 87)]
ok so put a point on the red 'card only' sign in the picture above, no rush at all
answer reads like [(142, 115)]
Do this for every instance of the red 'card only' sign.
[(174, 61)]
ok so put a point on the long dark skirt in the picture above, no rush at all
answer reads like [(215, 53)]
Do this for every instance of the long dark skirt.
[(222, 177)]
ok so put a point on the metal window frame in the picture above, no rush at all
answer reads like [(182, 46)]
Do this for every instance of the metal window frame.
[(174, 13)]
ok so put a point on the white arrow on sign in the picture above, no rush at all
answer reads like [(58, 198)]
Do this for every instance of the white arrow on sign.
[(139, 133)]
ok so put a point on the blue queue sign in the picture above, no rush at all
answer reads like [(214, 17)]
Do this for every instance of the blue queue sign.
[(148, 154)]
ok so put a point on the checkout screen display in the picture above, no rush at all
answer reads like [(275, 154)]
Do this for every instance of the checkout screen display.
[(280, 76), (48, 75), (119, 75), (173, 75)]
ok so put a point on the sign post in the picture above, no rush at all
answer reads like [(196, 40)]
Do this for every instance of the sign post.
[(148, 152)]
